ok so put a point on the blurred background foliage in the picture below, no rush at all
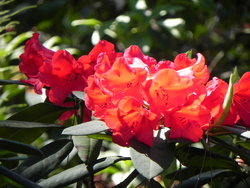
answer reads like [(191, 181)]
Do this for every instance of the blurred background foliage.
[(219, 29)]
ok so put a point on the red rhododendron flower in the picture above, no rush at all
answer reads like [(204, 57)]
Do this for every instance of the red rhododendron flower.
[(34, 56), (241, 102), (131, 121), (63, 75), (167, 90), (187, 121), (192, 68), (216, 90)]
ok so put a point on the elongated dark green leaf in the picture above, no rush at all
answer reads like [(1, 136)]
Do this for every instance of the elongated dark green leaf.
[(184, 173), (17, 178), (88, 128), (26, 124), (151, 161), (36, 167), (79, 172), (242, 131), (88, 148), (7, 82), (243, 155), (18, 147), (204, 178), (42, 113), (22, 131), (197, 158)]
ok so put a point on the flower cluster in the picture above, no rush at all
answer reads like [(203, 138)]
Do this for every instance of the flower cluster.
[(134, 94)]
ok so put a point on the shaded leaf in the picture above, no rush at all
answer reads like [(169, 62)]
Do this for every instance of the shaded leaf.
[(17, 130), (203, 178), (151, 161), (79, 172), (7, 82), (242, 131), (42, 112), (19, 147), (88, 148), (17, 178), (243, 155), (87, 128), (37, 167), (197, 158)]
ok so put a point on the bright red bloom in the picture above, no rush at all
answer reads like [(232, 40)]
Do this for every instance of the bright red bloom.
[(63, 75), (131, 121), (216, 90), (241, 101), (192, 68), (187, 121), (34, 56), (167, 90), (97, 99), (90, 60)]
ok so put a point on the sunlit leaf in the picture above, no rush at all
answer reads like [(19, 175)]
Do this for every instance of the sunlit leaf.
[(36, 167), (79, 172), (89, 22), (87, 128)]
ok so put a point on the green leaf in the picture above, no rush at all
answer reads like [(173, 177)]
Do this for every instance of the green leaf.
[(26, 124), (151, 161), (88, 148), (101, 137), (242, 131), (18, 147), (87, 128), (36, 167), (89, 22), (17, 178), (243, 155), (79, 172), (199, 158), (203, 178), (17, 82), (42, 112), (17, 130)]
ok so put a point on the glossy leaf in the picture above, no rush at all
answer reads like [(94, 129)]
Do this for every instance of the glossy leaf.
[(88, 148), (7, 82), (22, 131), (37, 167), (203, 178), (19, 147), (12, 176), (87, 128), (79, 172), (196, 158), (151, 161), (242, 131), (42, 113), (243, 155)]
